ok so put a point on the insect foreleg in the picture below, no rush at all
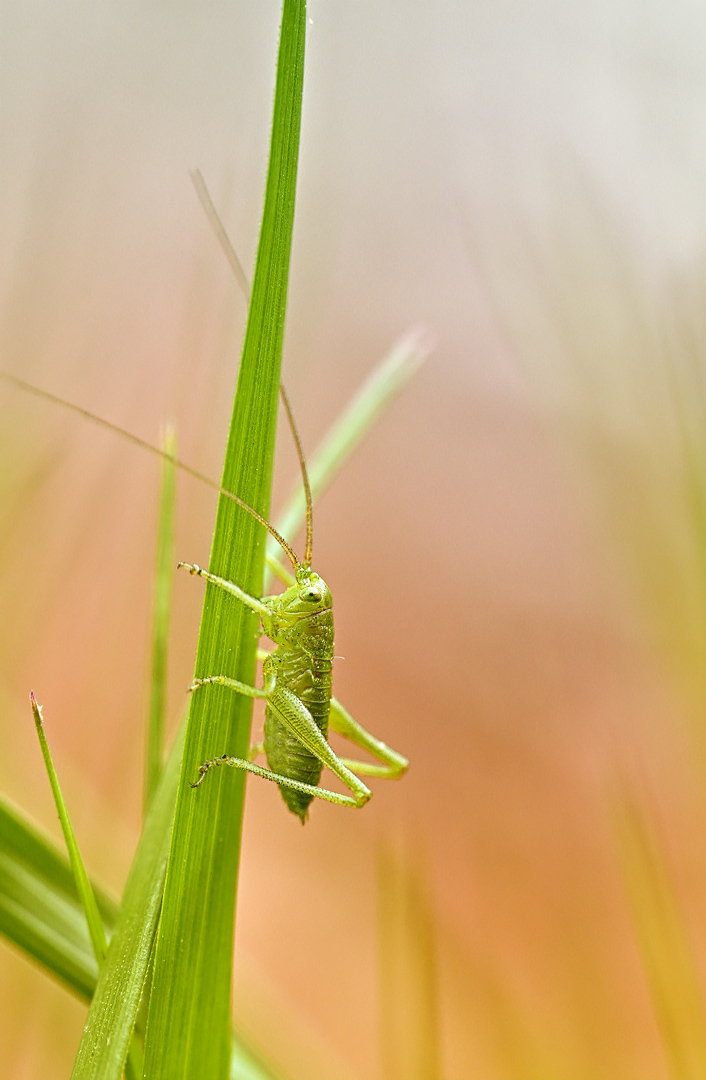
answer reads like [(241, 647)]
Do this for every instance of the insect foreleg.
[(394, 765), (228, 586)]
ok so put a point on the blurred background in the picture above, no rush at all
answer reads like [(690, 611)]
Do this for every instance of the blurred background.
[(517, 553)]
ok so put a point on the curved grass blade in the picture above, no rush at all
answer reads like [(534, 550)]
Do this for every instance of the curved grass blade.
[(94, 921), (188, 1027), (164, 575), (83, 885), (40, 911)]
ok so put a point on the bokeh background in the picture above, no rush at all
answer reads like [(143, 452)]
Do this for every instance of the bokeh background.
[(517, 553)]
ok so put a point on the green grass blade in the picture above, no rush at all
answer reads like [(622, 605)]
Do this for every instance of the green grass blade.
[(40, 911), (381, 387), (188, 1028), (164, 575), (111, 1017), (83, 885)]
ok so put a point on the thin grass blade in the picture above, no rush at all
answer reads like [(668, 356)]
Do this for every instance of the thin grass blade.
[(220, 233), (164, 576), (83, 886), (382, 386), (188, 1028)]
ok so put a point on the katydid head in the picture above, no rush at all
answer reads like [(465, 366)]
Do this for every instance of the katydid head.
[(309, 594)]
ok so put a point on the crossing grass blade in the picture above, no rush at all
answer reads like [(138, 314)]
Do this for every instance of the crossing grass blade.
[(381, 387), (96, 930), (188, 1027)]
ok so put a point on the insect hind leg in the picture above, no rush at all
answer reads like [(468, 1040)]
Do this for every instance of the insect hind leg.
[(286, 781), (393, 765)]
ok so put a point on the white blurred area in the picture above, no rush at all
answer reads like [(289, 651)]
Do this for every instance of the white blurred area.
[(515, 560)]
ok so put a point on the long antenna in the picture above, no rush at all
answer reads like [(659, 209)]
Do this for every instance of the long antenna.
[(236, 266), (305, 478), (137, 441)]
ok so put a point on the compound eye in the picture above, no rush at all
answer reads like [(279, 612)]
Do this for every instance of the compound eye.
[(313, 596)]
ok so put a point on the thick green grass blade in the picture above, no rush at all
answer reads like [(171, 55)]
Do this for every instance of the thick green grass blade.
[(188, 1028), (164, 576)]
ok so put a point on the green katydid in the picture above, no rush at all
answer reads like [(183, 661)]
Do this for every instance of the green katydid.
[(297, 672), (297, 684)]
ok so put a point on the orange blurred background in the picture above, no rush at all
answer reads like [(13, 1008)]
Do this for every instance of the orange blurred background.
[(516, 553)]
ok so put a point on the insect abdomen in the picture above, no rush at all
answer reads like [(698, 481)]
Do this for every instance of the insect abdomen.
[(305, 669)]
